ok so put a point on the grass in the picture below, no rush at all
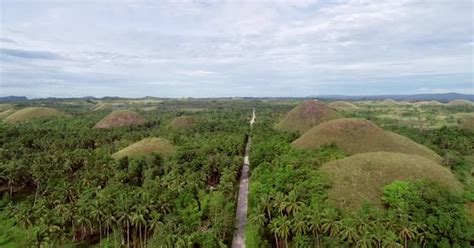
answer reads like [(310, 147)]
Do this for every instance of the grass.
[(361, 177), (354, 136), (147, 146), (460, 102), (6, 113), (467, 122), (120, 118), (183, 122), (389, 102), (306, 115), (30, 113), (103, 107), (341, 105), (5, 106), (429, 103)]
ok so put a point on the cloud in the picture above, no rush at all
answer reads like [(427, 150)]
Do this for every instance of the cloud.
[(28, 54), (6, 40), (226, 48), (198, 73)]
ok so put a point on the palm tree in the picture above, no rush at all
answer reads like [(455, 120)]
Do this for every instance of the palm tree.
[(391, 240), (281, 228), (348, 232), (291, 204), (97, 215), (300, 224), (407, 230), (266, 206), (331, 223), (365, 241), (278, 202), (138, 218), (125, 219), (377, 233), (41, 237)]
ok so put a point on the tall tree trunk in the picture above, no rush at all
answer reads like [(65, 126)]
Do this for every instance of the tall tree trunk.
[(276, 241), (100, 233), (128, 234), (140, 234)]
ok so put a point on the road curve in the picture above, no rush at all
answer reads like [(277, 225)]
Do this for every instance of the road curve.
[(242, 203)]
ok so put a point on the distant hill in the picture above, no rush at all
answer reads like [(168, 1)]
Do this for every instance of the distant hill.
[(444, 97), (13, 98)]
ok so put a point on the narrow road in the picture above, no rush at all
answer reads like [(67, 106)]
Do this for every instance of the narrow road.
[(242, 203)]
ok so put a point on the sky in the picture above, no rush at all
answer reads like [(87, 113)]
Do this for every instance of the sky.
[(256, 48)]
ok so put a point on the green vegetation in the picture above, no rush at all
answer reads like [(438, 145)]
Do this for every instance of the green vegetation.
[(64, 183), (62, 188), (358, 136), (31, 113), (293, 191)]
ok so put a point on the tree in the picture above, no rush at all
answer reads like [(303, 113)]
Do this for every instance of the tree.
[(280, 227)]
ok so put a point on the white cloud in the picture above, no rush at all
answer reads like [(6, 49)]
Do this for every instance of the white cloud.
[(240, 46)]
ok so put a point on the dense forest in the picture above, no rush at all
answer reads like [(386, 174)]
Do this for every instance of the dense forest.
[(61, 186)]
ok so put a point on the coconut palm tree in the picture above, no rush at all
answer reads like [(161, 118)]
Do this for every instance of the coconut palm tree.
[(280, 227), (407, 230), (299, 224), (348, 232), (331, 222)]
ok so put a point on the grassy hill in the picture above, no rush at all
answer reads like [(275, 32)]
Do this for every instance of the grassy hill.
[(120, 118), (429, 103), (31, 113), (467, 122), (183, 122), (6, 113), (103, 107), (306, 115), (341, 105), (460, 102), (361, 177), (389, 102), (359, 136), (145, 147), (6, 106)]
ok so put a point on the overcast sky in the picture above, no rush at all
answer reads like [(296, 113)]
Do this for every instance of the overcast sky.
[(235, 48)]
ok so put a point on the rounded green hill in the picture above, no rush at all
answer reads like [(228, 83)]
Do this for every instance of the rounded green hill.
[(183, 122), (103, 107), (361, 177), (6, 113), (31, 113), (359, 136), (306, 115), (145, 147), (460, 102), (389, 102), (5, 106), (429, 103), (342, 105), (467, 122), (120, 118)]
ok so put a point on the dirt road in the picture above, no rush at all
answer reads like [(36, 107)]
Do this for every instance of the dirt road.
[(242, 202)]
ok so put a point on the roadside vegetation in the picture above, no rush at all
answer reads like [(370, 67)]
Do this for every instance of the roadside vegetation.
[(164, 173)]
